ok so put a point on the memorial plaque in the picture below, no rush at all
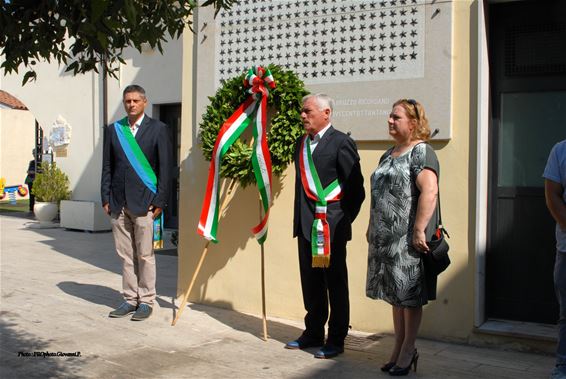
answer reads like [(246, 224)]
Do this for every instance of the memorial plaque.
[(365, 54)]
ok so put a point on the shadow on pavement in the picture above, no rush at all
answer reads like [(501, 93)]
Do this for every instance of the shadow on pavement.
[(18, 348), (246, 323), (26, 215), (92, 293), (363, 355), (97, 249)]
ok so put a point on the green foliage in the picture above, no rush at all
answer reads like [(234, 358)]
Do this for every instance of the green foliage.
[(86, 34), (51, 184), (284, 104)]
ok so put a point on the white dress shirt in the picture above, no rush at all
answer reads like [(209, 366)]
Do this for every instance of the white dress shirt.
[(134, 128), (318, 137)]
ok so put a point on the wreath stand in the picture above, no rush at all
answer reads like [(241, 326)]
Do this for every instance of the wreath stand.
[(288, 86), (229, 194)]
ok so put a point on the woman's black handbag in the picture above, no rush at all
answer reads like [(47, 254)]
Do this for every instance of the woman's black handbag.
[(437, 259)]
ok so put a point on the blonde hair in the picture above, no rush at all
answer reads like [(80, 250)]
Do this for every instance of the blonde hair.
[(415, 111)]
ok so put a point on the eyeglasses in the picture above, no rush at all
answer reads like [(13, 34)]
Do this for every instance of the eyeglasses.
[(413, 102)]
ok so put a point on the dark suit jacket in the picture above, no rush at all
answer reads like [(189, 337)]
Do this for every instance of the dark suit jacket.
[(120, 184), (335, 156)]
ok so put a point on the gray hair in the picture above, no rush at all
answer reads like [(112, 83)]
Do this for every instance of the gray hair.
[(134, 88), (322, 99)]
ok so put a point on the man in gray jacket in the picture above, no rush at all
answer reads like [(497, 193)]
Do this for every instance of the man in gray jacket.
[(555, 193)]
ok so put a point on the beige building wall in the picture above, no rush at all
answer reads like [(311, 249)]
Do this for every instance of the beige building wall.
[(230, 275), (17, 136)]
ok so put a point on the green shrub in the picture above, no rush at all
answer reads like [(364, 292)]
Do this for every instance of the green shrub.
[(51, 184)]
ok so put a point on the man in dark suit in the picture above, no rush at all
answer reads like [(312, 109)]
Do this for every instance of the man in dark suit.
[(137, 160), (324, 278)]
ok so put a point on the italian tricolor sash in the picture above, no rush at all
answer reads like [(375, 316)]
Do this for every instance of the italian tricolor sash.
[(252, 111), (141, 166), (320, 231)]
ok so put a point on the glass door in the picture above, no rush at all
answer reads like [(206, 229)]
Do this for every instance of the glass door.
[(528, 93)]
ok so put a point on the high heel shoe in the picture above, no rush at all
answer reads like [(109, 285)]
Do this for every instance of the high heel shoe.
[(402, 371), (388, 366)]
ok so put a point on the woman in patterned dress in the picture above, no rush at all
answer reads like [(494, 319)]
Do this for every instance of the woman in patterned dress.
[(403, 215)]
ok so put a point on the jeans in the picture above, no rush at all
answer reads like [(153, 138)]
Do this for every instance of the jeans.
[(560, 288), (559, 372)]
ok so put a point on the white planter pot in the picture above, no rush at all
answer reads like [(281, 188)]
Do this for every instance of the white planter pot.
[(45, 212)]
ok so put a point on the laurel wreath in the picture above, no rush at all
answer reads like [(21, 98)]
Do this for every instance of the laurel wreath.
[(284, 124)]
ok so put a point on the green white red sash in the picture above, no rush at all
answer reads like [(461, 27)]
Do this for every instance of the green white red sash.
[(252, 111), (320, 231), (143, 169)]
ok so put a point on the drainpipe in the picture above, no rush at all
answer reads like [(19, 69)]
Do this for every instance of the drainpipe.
[(104, 93), (38, 145)]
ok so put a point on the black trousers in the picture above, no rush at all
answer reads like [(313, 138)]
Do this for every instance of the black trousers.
[(31, 197), (322, 286)]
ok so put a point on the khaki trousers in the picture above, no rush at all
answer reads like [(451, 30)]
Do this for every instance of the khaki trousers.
[(133, 237)]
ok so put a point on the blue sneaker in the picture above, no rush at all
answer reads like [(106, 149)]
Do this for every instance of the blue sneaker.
[(123, 310), (143, 312)]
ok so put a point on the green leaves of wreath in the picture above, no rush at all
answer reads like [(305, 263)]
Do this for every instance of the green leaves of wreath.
[(284, 107)]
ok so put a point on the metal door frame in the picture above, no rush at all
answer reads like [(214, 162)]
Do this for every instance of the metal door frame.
[(484, 117)]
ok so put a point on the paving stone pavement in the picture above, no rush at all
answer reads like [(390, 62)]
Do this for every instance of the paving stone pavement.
[(57, 287)]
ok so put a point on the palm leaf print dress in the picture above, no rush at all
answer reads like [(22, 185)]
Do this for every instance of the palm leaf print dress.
[(395, 269)]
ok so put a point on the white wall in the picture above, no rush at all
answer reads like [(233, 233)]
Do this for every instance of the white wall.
[(160, 76), (56, 93), (78, 99)]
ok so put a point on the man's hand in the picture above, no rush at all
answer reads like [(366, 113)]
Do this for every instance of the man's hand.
[(156, 211), (106, 207)]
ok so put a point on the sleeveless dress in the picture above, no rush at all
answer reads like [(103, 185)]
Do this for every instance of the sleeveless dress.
[(395, 269)]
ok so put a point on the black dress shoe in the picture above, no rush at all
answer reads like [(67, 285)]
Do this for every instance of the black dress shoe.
[(329, 351), (303, 343)]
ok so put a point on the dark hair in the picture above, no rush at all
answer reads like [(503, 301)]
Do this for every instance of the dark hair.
[(415, 111), (134, 88)]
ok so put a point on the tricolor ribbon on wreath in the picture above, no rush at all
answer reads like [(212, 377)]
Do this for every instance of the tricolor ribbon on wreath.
[(320, 231), (143, 169), (252, 111)]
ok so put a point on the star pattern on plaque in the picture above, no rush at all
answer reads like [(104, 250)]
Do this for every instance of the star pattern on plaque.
[(323, 41)]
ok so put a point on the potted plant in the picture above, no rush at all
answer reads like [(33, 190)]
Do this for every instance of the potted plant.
[(50, 186)]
